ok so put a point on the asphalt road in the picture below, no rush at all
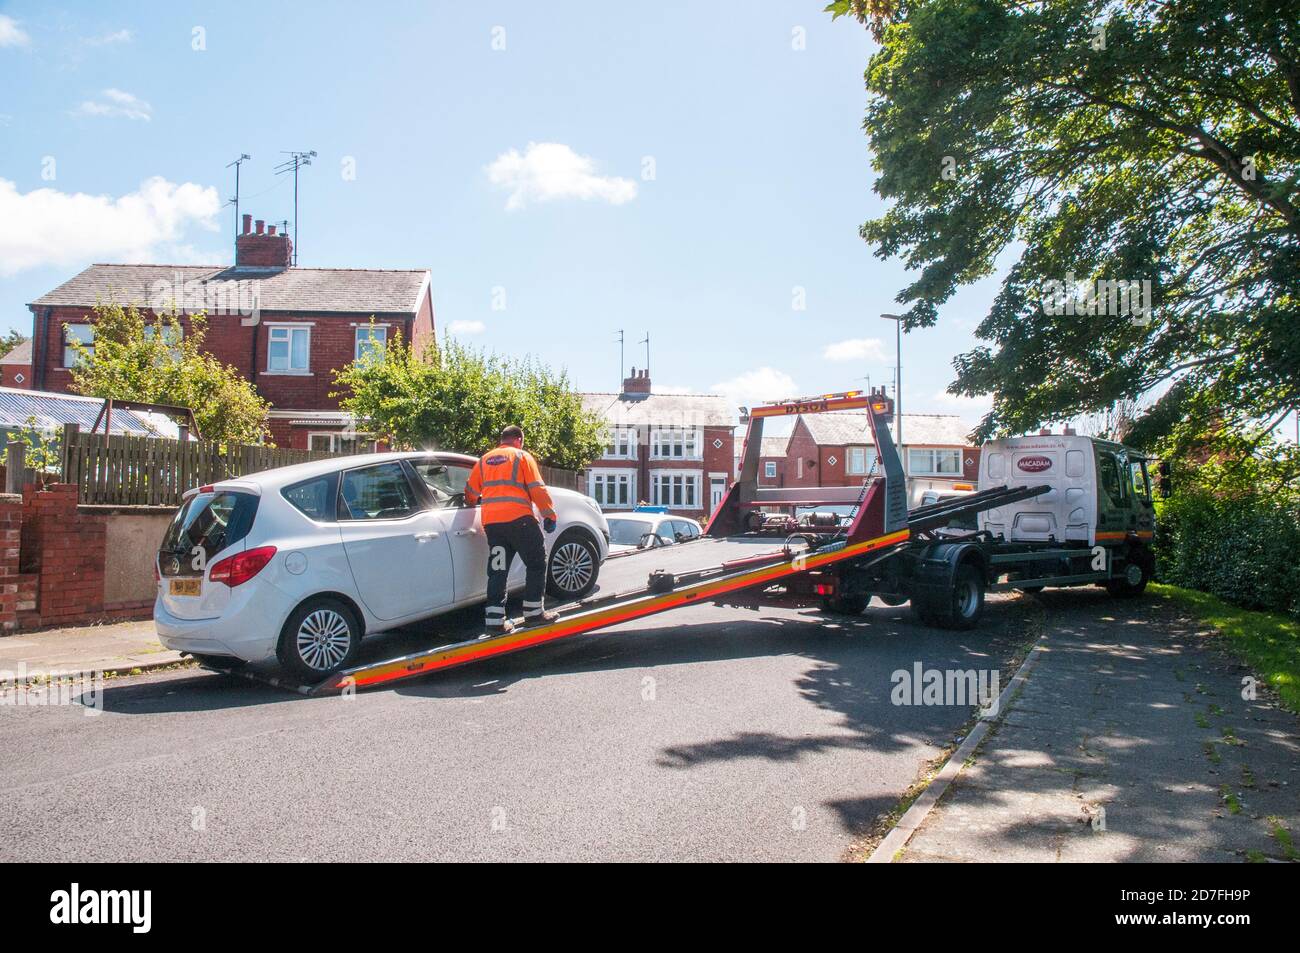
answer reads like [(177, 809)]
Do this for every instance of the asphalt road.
[(708, 733)]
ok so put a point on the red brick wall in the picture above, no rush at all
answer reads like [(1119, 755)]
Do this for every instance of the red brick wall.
[(333, 345), (66, 549), (11, 521), (10, 372)]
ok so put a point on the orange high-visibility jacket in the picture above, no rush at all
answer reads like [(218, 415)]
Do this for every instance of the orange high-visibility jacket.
[(507, 483)]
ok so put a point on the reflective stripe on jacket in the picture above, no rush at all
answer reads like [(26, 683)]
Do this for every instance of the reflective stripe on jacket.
[(506, 483)]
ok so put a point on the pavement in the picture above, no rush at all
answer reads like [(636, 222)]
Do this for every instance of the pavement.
[(708, 733), (116, 648), (1129, 741)]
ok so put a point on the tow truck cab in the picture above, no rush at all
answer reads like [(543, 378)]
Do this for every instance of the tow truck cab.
[(1100, 491)]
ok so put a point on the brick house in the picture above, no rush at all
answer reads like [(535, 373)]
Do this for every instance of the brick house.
[(837, 450), (673, 450), (285, 329), (16, 367)]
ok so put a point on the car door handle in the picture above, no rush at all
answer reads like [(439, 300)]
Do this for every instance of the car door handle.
[(433, 534), (466, 532)]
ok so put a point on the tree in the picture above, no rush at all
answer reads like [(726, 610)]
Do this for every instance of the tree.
[(1099, 142), (155, 360), (454, 398), (11, 340)]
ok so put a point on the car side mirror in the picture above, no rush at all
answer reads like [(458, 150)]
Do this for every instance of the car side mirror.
[(646, 541)]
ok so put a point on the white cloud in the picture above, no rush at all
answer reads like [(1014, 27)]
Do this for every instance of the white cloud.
[(466, 327), (49, 227), (11, 34), (107, 39), (756, 387), (551, 170), (116, 104), (855, 349)]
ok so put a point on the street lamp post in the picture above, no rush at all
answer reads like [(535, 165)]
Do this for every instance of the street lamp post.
[(898, 380)]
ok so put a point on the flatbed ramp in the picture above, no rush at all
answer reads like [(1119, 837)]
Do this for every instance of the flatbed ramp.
[(751, 563)]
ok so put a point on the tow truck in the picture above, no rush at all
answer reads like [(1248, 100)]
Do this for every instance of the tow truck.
[(1033, 529)]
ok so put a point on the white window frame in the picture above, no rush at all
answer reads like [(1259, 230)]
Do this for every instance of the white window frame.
[(289, 330), (931, 454), (677, 443), (362, 333), (336, 439), (684, 500), (769, 470), (605, 477), (69, 356), (868, 455), (624, 442)]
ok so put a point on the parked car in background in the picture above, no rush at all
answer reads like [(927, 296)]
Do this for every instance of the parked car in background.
[(301, 562), (641, 530)]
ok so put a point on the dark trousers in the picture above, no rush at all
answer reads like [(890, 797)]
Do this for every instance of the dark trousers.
[(524, 538)]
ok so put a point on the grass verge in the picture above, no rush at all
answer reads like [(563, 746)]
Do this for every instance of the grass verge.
[(1268, 642)]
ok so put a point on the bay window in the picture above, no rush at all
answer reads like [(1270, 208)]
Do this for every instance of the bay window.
[(612, 489), (934, 463)]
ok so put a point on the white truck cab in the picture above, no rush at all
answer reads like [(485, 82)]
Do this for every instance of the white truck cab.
[(1100, 491)]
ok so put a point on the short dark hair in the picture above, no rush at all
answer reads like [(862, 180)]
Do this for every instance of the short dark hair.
[(512, 432)]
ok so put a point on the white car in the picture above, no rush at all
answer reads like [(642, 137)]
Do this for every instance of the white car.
[(629, 532), (300, 562)]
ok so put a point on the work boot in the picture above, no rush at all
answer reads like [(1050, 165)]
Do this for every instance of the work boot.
[(492, 631), (544, 617)]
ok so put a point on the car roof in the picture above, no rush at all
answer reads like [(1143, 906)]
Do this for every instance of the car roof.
[(296, 472)]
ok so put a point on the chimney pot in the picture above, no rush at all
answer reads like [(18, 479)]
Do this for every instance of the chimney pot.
[(261, 226), (248, 224), (1069, 432), (270, 229)]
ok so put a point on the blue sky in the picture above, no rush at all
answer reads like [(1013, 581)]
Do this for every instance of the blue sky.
[(693, 167)]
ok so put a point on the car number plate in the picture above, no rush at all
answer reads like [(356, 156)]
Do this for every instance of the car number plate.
[(186, 587)]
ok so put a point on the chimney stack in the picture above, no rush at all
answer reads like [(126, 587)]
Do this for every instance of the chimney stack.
[(638, 384), (1045, 432), (262, 249)]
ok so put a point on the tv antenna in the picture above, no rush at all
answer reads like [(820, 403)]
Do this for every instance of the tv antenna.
[(646, 342), (243, 157), (621, 363), (297, 159)]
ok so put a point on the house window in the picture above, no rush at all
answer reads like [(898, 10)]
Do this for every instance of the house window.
[(340, 442), (172, 334), (288, 349), (612, 489), (861, 460), (679, 489), (934, 463), (769, 470), (675, 443), (85, 334), (620, 444), (371, 340)]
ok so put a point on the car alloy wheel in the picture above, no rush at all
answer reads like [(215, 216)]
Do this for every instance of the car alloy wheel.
[(572, 567), (323, 640)]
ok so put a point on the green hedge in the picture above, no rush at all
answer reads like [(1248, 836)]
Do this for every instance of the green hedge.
[(1244, 549)]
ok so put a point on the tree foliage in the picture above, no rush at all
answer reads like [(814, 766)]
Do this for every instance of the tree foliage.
[(11, 340), (1105, 140), (136, 357), (454, 398)]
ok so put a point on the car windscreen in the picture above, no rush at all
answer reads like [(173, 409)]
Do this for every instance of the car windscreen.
[(625, 532), (206, 523)]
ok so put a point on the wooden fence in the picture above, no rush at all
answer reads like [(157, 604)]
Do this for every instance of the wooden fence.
[(151, 471)]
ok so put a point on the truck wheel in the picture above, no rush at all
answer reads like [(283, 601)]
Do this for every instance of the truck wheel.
[(572, 568), (962, 606), (845, 605), (1137, 573), (319, 638)]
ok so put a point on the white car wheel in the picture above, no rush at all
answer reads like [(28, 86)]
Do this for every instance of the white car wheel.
[(572, 569), (320, 638)]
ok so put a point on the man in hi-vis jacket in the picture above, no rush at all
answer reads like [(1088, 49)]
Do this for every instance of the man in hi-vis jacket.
[(506, 484)]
